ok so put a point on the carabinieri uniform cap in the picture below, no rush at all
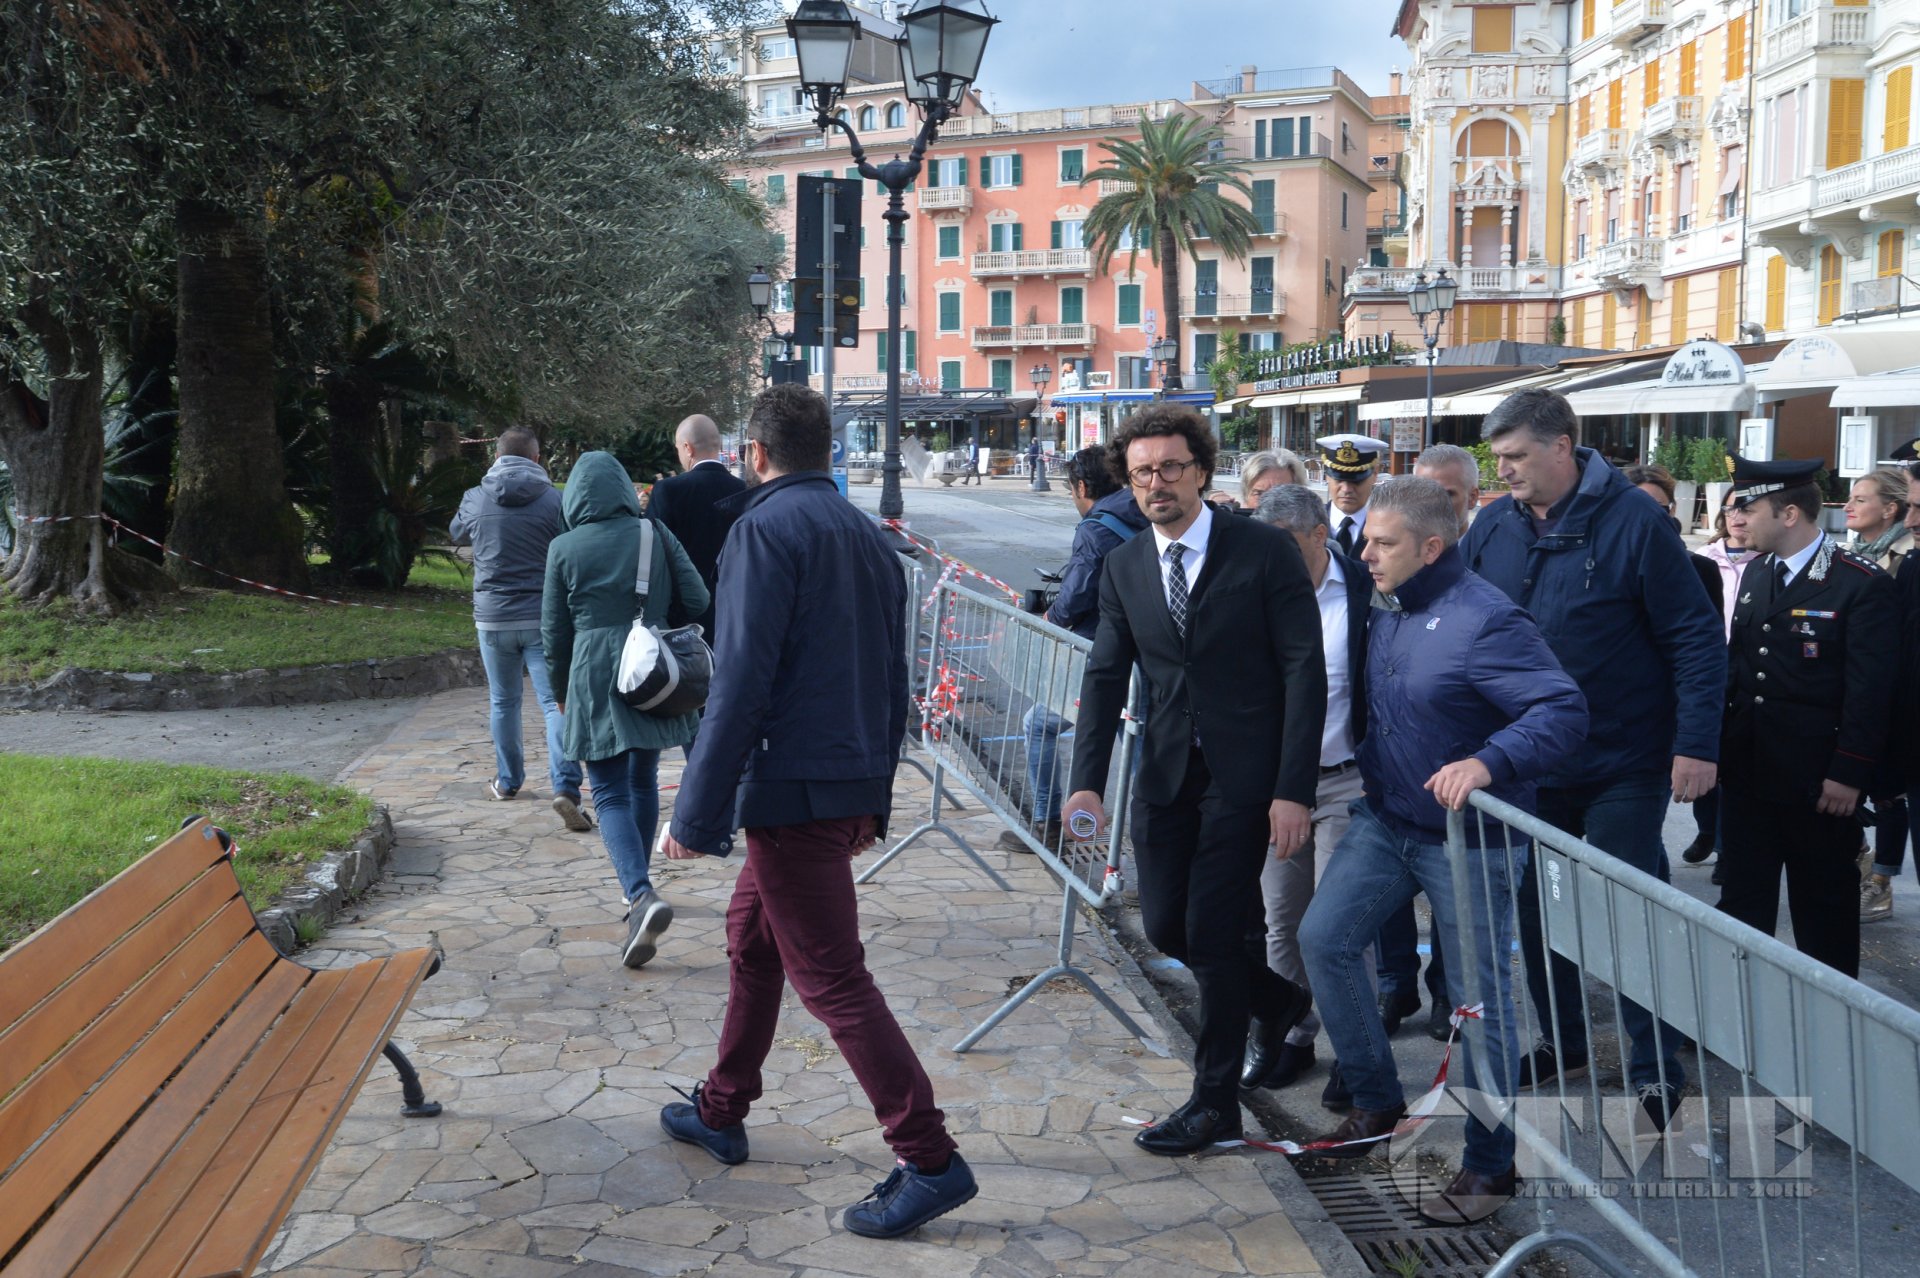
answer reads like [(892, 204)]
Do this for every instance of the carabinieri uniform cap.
[(1350, 456), (1753, 479)]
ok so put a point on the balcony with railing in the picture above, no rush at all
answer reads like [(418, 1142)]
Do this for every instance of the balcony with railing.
[(1270, 222), (1824, 25), (781, 117), (1671, 121), (1381, 282), (1033, 262), (1600, 149), (991, 335), (1209, 306), (1887, 293), (945, 199), (1113, 186), (1629, 262), (1634, 20), (1840, 193), (1055, 119)]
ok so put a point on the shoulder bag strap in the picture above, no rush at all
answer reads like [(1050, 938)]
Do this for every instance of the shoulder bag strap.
[(646, 564)]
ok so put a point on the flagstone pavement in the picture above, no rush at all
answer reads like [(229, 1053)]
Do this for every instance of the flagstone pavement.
[(553, 1063)]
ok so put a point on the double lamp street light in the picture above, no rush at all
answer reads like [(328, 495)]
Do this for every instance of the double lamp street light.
[(1431, 302), (940, 53)]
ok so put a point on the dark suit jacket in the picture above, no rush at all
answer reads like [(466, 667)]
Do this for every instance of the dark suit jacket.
[(1811, 677), (1359, 609), (685, 506), (1250, 677)]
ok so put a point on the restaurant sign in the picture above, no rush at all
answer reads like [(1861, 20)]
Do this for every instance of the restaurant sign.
[(1703, 362)]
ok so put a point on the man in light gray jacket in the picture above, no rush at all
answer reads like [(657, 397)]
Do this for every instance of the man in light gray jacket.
[(508, 520)]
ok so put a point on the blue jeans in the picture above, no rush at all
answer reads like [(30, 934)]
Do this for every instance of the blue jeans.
[(1374, 873), (626, 799), (1623, 818), (505, 653), (1399, 958), (1043, 728)]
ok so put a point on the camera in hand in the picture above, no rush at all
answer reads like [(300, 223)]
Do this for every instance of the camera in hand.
[(1040, 598)]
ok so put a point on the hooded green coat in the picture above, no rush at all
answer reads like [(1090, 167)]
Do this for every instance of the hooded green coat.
[(589, 604)]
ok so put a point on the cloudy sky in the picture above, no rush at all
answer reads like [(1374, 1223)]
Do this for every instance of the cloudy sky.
[(1048, 53)]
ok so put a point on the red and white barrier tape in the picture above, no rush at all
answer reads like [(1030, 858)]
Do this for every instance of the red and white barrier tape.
[(953, 567), (27, 521), (1422, 1110)]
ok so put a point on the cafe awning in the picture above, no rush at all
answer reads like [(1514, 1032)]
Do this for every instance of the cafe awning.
[(1822, 361), (1650, 396), (1315, 395), (1896, 388)]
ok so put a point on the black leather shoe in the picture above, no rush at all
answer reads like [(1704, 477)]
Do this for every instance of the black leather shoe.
[(1362, 1125), (1261, 1056), (1699, 850), (1440, 1023), (1290, 1066), (1334, 1095), (1395, 1008), (1189, 1129)]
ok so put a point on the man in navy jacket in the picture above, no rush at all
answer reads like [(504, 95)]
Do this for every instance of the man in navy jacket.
[(1599, 566), (801, 738), (1462, 695)]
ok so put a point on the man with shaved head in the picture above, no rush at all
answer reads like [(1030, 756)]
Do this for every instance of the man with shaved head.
[(685, 504)]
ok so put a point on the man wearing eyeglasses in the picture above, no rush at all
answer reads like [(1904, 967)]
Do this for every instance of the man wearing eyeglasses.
[(1220, 614)]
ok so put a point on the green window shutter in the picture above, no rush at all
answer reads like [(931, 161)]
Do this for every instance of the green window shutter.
[(1056, 234), (882, 347), (1205, 347), (949, 312), (777, 188), (963, 172), (912, 359), (950, 374), (1129, 304), (1259, 139), (1003, 375), (949, 241), (780, 247), (853, 172), (738, 184), (1073, 165), (1019, 238), (1073, 306), (1002, 308), (1263, 203), (1017, 169), (863, 292)]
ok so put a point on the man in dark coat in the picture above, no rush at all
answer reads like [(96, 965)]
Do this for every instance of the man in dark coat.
[(801, 739), (1219, 614), (1813, 665), (688, 505)]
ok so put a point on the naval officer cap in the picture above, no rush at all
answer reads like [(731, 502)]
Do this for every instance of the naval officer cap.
[(1755, 479), (1350, 456)]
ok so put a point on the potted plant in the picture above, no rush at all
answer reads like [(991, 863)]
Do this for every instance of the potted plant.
[(1670, 454), (1707, 466)]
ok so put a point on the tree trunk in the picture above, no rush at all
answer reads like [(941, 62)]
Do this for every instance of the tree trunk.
[(53, 447), (231, 510), (1170, 296), (150, 364), (353, 425)]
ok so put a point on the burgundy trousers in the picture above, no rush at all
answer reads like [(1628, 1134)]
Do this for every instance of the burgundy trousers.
[(794, 918)]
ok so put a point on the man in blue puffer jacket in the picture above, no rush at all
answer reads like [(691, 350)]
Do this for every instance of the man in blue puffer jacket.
[(1462, 695), (1597, 564)]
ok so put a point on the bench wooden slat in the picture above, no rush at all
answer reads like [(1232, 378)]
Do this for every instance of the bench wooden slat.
[(106, 1188), (89, 1056), (192, 1178), (127, 971), (259, 1201), (46, 960)]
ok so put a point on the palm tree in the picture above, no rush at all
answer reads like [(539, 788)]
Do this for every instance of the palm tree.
[(1173, 178)]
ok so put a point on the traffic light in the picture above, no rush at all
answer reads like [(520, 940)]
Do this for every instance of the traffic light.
[(811, 244)]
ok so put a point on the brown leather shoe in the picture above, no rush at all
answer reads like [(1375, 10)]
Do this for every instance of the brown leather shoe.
[(1362, 1124), (1471, 1198)]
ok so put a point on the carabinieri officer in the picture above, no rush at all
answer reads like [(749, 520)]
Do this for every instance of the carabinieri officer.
[(1816, 637)]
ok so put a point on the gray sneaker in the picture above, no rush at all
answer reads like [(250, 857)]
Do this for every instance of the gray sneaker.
[(1876, 899), (568, 806), (647, 919)]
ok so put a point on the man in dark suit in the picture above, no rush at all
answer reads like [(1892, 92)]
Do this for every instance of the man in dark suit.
[(1220, 615), (687, 505), (1811, 671), (1343, 592)]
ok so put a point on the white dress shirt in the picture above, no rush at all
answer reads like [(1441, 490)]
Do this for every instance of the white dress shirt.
[(1797, 563), (1336, 739), (1195, 540)]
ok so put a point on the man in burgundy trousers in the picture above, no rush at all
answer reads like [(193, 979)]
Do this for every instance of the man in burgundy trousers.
[(798, 747)]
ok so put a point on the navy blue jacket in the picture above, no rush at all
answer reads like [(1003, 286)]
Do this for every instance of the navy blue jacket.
[(1615, 597), (1456, 671), (810, 663), (1077, 607)]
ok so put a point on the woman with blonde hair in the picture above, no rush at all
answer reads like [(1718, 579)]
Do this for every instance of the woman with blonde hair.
[(1876, 518), (1264, 471)]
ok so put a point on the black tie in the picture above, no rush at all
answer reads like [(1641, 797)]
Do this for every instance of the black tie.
[(1779, 577), (1345, 536), (1177, 588)]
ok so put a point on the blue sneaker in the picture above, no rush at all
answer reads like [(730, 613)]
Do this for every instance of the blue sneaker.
[(683, 1123), (909, 1198)]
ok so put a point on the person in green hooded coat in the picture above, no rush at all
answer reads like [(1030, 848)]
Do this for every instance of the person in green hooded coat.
[(587, 610)]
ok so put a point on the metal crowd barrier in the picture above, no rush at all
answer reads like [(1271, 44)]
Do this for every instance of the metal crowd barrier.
[(1792, 1067), (999, 692)]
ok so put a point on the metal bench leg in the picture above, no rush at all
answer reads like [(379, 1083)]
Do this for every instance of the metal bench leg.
[(416, 1103)]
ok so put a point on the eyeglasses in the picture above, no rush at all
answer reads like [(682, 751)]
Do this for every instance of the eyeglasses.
[(1169, 472)]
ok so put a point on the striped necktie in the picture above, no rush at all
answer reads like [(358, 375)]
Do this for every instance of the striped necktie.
[(1177, 588)]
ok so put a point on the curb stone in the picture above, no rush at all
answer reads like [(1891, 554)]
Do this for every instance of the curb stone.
[(77, 689), (330, 885)]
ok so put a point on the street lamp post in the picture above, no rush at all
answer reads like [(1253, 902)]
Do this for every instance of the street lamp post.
[(1431, 301), (1040, 374), (1163, 352), (775, 347), (940, 56)]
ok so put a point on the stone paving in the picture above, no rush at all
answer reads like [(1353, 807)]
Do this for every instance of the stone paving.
[(553, 1063)]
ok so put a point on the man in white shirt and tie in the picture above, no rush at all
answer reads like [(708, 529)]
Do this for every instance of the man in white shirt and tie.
[(1352, 465)]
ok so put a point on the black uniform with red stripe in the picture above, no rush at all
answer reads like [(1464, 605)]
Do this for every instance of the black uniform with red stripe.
[(1810, 678)]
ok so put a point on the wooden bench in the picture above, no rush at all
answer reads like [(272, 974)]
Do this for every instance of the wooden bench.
[(168, 1080)]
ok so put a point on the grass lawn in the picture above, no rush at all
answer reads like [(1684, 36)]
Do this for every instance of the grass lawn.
[(69, 825), (218, 631)]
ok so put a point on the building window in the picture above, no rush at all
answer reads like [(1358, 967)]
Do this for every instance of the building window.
[(1733, 176), (951, 171), (1002, 374), (1136, 372), (1609, 322), (1492, 29), (1343, 210), (1649, 206), (1003, 170), (1578, 325), (1846, 102), (1736, 46), (951, 374), (1127, 306), (1899, 109), (1206, 287), (1615, 104), (1643, 323), (783, 297), (1000, 308), (907, 344), (1613, 218), (1776, 293), (1689, 69), (949, 312), (1587, 19), (1005, 237), (1073, 306), (1785, 152), (1263, 342), (867, 118), (1726, 305), (1682, 198), (1891, 254), (1069, 235), (1582, 224), (1073, 164), (1677, 320), (775, 50), (1829, 305), (949, 243), (1206, 347), (776, 188), (1583, 116), (1262, 286), (1650, 82), (896, 116), (1263, 204)]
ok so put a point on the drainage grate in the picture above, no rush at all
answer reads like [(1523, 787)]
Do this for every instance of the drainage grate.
[(1386, 1231)]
